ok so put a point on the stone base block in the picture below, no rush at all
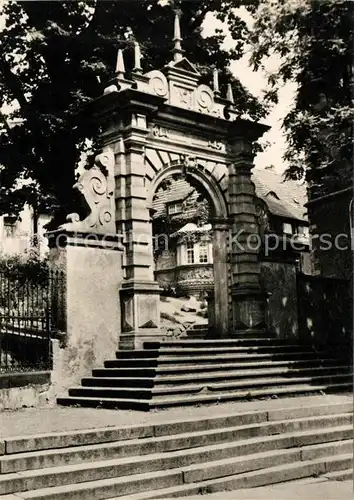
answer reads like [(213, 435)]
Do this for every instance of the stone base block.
[(140, 313), (248, 309)]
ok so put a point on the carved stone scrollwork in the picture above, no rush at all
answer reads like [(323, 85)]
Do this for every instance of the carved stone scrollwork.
[(204, 99), (158, 83), (215, 145), (96, 185), (159, 131)]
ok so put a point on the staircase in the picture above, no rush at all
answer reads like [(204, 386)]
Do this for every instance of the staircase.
[(181, 458), (193, 371)]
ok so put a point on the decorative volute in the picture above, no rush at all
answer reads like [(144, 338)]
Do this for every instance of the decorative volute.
[(96, 186)]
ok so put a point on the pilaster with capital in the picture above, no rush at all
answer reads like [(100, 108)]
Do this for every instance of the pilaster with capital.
[(247, 296), (140, 294), (221, 240)]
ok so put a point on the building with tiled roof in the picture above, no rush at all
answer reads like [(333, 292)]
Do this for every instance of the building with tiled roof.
[(185, 259)]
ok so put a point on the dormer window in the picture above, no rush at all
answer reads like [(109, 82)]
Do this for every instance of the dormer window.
[(174, 208), (287, 228), (274, 194)]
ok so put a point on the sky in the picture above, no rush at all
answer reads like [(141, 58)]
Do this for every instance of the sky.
[(256, 83)]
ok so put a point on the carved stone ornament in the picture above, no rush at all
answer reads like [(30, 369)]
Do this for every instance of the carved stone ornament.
[(159, 131), (215, 145), (204, 99), (189, 162), (96, 186), (158, 83)]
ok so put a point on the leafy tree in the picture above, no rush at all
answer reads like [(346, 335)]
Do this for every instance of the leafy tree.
[(314, 41), (51, 54)]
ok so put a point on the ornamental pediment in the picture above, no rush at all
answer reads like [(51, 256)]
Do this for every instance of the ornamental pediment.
[(183, 92), (185, 65)]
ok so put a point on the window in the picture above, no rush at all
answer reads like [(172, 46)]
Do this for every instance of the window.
[(287, 228), (203, 252), (175, 208), (9, 227), (190, 252)]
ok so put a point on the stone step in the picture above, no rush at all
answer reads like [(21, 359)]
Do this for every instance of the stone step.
[(240, 439), (24, 444), (206, 343), (137, 353), (273, 392), (263, 477), (340, 475), (215, 397), (111, 381), (195, 368), (217, 358), (206, 351), (327, 449), (104, 480), (108, 404), (266, 349), (147, 393)]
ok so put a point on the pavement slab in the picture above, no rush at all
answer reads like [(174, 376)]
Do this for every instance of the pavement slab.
[(30, 421), (317, 490)]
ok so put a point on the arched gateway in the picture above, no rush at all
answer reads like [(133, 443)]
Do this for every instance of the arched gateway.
[(162, 123)]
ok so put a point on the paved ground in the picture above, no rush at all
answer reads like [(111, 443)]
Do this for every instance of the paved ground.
[(318, 490), (31, 421)]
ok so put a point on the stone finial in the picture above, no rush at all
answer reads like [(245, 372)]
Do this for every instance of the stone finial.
[(229, 94), (120, 68), (216, 81), (137, 58), (177, 50)]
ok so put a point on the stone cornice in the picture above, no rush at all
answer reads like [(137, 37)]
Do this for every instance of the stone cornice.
[(128, 99), (244, 130), (132, 100)]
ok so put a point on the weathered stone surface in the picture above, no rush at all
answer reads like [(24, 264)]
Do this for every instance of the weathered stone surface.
[(93, 277)]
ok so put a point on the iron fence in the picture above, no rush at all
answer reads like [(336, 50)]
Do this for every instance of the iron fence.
[(28, 306)]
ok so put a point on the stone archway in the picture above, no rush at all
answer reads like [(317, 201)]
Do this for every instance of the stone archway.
[(157, 122), (204, 181)]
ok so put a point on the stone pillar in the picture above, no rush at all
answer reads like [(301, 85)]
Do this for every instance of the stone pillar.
[(89, 323), (248, 301), (221, 237), (140, 293)]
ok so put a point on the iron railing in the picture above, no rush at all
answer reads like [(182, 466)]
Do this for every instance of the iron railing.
[(27, 310)]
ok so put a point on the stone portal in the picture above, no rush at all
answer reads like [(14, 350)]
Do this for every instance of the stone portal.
[(163, 122)]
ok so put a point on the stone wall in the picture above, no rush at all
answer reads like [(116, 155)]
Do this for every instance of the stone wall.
[(279, 282), (25, 390), (92, 322), (166, 260), (330, 215), (325, 311)]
